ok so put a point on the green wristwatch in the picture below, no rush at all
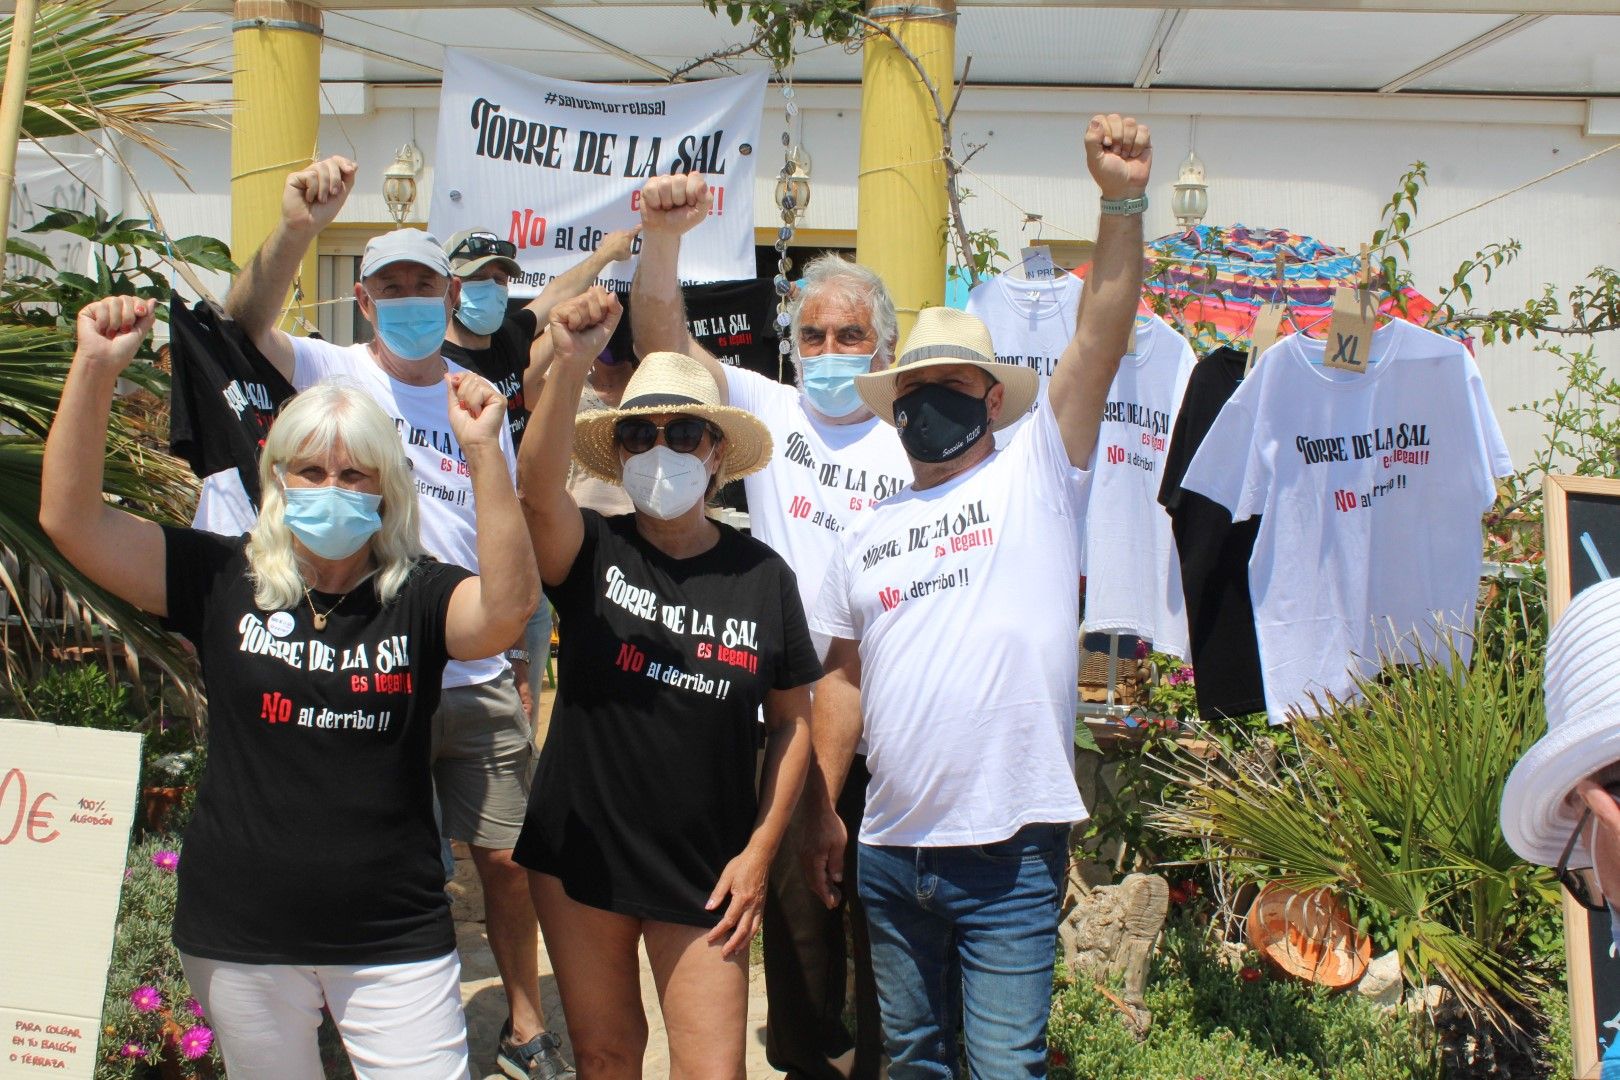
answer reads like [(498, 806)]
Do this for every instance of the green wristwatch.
[(1125, 207)]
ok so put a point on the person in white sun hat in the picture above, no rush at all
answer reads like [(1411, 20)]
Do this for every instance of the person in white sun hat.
[(646, 824), (1560, 806), (953, 608)]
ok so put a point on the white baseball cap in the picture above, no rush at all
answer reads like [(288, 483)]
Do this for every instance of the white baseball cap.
[(404, 245), (1583, 729)]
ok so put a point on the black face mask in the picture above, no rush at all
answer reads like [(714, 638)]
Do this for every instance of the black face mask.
[(937, 423)]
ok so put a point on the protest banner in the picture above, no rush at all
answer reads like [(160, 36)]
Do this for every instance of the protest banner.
[(67, 802), (554, 166)]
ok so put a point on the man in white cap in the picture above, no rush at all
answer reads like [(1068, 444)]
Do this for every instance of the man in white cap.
[(953, 609), (834, 461), (482, 740), (1559, 807), (507, 350)]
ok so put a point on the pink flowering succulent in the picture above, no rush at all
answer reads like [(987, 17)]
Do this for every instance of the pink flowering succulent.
[(166, 860), (195, 1042), (194, 1007), (133, 1050), (146, 999)]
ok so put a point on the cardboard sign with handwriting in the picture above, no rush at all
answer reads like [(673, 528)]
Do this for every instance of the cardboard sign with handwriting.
[(1350, 333), (1267, 329), (67, 801)]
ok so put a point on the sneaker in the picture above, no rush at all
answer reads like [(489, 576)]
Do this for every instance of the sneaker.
[(538, 1059)]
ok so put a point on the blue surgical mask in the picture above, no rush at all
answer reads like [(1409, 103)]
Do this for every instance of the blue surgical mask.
[(829, 382), (332, 522), (413, 327), (483, 306)]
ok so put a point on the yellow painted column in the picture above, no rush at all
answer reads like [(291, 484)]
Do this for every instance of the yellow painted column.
[(276, 82), (901, 218)]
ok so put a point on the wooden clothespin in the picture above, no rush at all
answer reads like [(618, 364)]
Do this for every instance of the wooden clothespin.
[(1268, 321)]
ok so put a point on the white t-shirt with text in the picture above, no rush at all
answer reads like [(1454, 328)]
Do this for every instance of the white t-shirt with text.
[(822, 478), (443, 482), (1133, 578), (1371, 487), (964, 599)]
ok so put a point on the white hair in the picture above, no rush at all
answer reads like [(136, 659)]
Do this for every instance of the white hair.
[(310, 424), (832, 274)]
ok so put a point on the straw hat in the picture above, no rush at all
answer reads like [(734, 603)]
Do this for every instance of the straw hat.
[(947, 336), (668, 382), (1583, 729)]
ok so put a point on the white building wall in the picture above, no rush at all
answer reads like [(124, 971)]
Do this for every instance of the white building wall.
[(1318, 164)]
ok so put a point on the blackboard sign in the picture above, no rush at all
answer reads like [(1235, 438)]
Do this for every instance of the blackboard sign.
[(1583, 548)]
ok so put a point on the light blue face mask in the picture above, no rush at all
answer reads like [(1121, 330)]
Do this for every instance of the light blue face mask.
[(413, 327), (332, 522), (829, 382), (483, 305)]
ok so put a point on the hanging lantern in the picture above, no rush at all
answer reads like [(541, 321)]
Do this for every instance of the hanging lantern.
[(794, 182), (399, 182), (1191, 199)]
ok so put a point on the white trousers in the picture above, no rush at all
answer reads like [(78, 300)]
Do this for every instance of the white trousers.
[(399, 1021)]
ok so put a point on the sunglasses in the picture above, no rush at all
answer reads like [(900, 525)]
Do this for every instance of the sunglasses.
[(1583, 886), (479, 245), (683, 434)]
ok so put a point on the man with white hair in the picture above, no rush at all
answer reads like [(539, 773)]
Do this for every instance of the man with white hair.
[(483, 746), (834, 461)]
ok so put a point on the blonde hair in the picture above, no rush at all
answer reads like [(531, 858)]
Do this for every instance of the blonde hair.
[(310, 424)]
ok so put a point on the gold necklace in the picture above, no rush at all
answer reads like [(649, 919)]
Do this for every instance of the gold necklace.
[(320, 617)]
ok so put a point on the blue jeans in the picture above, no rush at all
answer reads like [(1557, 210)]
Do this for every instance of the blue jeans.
[(537, 642), (965, 935)]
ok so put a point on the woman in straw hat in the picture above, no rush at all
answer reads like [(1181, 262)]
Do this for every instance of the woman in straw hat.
[(1561, 804), (645, 823)]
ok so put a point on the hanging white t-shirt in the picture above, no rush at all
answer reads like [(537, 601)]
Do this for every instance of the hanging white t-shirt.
[(965, 601), (223, 506), (1133, 578), (822, 478), (1031, 322), (1371, 487), (443, 482)]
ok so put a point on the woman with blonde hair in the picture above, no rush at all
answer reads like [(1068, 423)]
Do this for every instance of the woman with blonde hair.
[(645, 824), (311, 870)]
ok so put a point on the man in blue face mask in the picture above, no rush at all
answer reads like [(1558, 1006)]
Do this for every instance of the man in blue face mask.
[(482, 736), (834, 461)]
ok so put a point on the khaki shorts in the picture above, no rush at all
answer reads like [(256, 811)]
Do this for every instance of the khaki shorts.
[(483, 762)]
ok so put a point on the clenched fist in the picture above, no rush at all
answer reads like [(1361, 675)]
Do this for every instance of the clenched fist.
[(673, 205), (1119, 153)]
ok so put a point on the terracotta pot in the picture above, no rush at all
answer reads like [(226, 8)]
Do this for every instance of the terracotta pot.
[(1308, 935), (157, 803)]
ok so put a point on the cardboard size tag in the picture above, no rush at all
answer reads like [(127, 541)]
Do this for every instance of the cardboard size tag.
[(1036, 261), (1350, 333), (1267, 329)]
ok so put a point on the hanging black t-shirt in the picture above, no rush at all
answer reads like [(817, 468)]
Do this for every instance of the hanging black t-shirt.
[(1214, 554), (503, 363), (313, 840), (645, 788)]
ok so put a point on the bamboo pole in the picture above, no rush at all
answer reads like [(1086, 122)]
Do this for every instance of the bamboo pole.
[(12, 96)]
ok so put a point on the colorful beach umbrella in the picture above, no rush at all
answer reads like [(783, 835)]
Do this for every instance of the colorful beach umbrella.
[(1210, 281)]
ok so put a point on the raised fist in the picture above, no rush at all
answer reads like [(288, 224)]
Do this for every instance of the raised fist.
[(312, 198), (579, 328), (674, 204), (1119, 153), (111, 331)]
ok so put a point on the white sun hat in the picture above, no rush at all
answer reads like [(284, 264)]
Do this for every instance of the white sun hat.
[(947, 336), (1583, 729)]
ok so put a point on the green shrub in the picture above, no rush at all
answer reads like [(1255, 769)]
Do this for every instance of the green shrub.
[(80, 695), (1211, 1023)]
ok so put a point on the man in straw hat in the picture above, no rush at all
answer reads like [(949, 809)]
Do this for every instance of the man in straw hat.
[(835, 460), (953, 609), (482, 737), (1559, 806)]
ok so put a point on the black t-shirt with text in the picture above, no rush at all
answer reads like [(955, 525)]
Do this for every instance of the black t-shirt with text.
[(645, 788), (1214, 554), (313, 840), (503, 363)]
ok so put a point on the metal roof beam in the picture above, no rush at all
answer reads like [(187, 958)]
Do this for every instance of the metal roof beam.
[(1169, 21), (1489, 37), (546, 18), (378, 54)]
